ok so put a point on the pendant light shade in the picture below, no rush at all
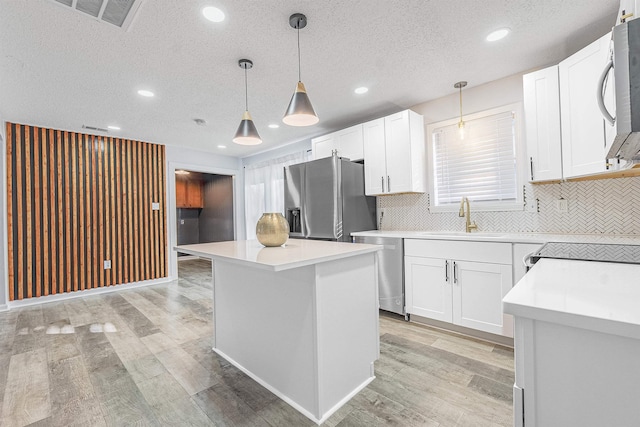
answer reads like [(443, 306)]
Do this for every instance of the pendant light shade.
[(461, 129), (247, 134), (300, 111)]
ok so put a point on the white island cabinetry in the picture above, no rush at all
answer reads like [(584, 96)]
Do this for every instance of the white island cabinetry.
[(577, 341), (302, 320)]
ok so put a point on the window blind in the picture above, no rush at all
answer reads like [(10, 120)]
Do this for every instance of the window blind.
[(482, 166)]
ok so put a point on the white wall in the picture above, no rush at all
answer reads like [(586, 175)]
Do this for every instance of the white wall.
[(200, 161), (605, 206), (474, 99), (295, 147), (3, 215)]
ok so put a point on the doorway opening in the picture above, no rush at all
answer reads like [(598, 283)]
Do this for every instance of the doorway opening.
[(204, 208)]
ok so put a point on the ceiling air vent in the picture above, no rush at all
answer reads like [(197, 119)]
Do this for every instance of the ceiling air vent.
[(116, 12)]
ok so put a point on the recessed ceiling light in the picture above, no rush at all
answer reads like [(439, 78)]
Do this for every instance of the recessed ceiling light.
[(222, 146), (113, 127), (213, 14), (498, 34), (361, 90), (181, 172), (274, 126), (147, 93)]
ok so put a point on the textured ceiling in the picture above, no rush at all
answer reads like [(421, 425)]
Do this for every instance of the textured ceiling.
[(62, 69)]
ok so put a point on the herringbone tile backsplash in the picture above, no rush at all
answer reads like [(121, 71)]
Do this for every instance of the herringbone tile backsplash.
[(610, 206)]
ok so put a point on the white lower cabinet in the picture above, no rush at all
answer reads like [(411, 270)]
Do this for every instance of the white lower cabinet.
[(428, 292), (462, 283)]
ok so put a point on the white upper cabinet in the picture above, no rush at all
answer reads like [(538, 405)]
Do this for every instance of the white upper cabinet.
[(347, 143), (375, 161), (323, 146), (542, 123), (394, 154), (585, 134)]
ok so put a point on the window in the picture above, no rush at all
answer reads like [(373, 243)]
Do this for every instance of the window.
[(264, 188), (482, 166)]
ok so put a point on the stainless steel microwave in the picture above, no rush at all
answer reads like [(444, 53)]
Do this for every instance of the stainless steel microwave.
[(625, 63)]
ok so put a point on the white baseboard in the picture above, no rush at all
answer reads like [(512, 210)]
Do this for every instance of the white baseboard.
[(80, 294)]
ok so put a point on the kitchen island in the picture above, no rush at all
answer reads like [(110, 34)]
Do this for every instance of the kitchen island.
[(301, 319), (577, 341)]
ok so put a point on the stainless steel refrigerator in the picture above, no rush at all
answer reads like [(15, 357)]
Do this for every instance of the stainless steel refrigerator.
[(324, 200)]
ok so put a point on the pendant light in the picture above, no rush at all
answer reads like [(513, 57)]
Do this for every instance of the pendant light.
[(247, 134), (300, 111), (460, 85)]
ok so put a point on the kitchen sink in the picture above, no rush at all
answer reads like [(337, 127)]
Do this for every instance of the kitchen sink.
[(462, 233)]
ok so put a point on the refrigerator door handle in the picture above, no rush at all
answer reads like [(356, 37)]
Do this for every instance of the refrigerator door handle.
[(382, 180)]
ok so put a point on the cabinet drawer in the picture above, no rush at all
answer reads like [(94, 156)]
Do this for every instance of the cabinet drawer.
[(493, 252)]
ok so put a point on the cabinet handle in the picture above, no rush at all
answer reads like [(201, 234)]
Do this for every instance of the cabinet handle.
[(382, 179), (455, 272), (531, 166), (388, 184), (446, 271)]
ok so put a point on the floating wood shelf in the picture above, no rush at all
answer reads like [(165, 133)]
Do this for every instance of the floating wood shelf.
[(625, 173)]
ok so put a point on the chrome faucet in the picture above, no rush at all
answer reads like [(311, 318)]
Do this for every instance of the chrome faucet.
[(467, 215)]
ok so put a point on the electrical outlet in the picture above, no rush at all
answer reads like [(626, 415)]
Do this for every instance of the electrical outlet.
[(107, 264), (155, 206), (562, 206)]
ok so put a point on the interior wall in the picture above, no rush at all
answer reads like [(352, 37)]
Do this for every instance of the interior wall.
[(77, 201), (216, 218), (3, 215), (606, 206), (183, 158)]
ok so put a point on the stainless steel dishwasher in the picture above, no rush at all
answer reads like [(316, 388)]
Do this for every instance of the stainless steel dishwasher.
[(390, 272)]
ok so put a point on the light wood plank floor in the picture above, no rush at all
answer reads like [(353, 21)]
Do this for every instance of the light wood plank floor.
[(143, 357)]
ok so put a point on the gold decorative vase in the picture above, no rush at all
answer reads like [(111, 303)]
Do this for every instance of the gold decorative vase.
[(272, 229)]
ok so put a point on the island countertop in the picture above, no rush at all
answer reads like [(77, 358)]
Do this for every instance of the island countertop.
[(600, 296), (295, 253)]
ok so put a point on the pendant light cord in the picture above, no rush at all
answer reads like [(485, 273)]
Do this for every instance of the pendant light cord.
[(246, 96), (460, 103), (298, 28)]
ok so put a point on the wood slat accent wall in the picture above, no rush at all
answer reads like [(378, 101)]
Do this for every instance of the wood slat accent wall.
[(76, 200)]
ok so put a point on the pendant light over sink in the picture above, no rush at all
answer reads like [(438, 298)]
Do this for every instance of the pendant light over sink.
[(247, 134), (460, 85), (300, 111)]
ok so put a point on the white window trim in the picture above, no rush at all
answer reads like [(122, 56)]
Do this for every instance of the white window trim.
[(518, 204)]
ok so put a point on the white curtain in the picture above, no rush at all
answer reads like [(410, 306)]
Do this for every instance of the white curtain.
[(264, 188)]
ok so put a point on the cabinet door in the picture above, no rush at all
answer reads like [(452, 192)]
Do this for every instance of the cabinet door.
[(478, 289), (428, 288), (398, 152), (181, 193), (323, 146), (195, 197), (542, 122), (350, 143), (375, 167), (583, 128)]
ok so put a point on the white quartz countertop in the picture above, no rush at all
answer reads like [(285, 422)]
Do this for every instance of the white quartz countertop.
[(504, 237), (295, 253), (598, 296)]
